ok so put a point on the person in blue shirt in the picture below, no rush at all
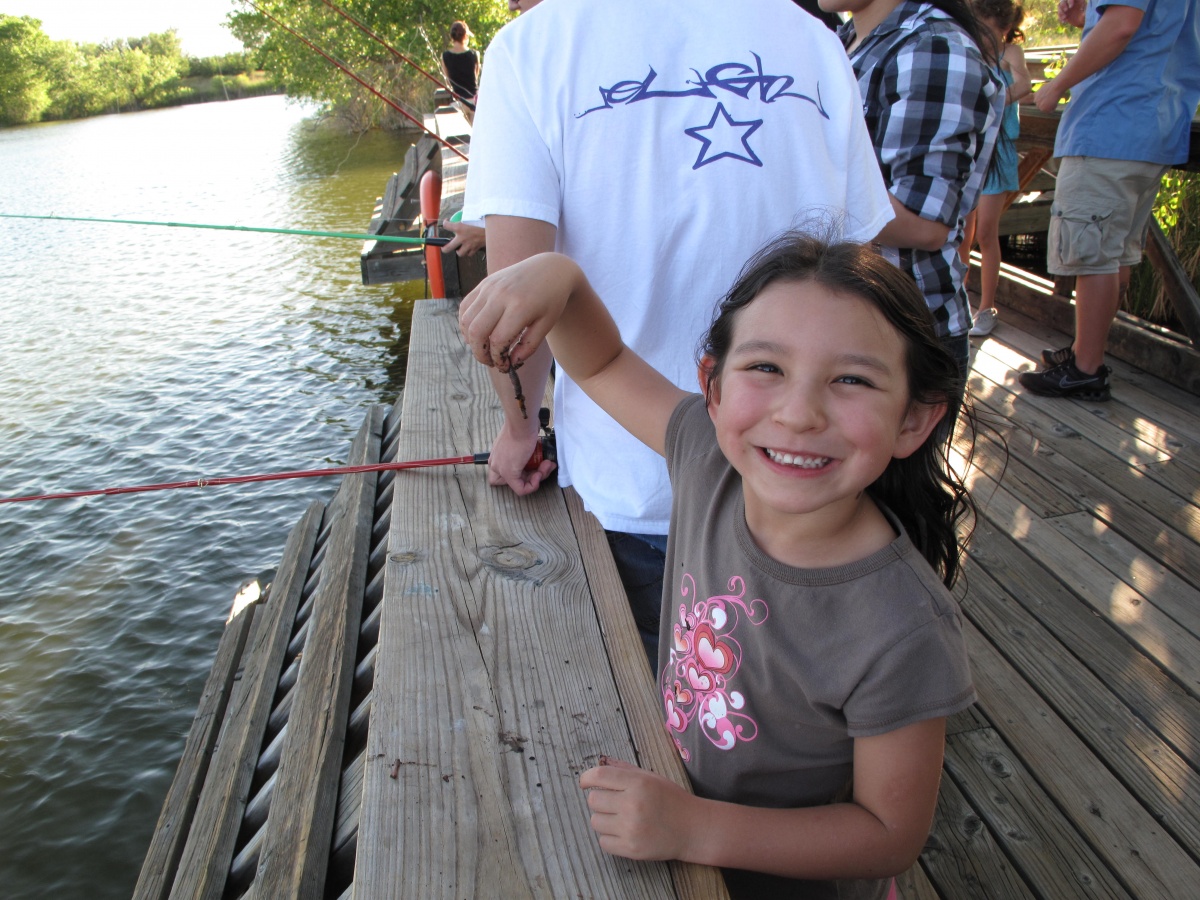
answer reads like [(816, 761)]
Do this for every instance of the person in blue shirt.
[(1135, 85)]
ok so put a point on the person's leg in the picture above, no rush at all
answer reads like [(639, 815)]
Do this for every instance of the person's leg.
[(641, 559), (1097, 299), (987, 233), (1098, 226)]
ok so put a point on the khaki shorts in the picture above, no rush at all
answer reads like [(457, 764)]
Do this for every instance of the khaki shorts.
[(1100, 213)]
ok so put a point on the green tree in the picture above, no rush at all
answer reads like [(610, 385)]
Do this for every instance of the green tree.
[(418, 29), (24, 52)]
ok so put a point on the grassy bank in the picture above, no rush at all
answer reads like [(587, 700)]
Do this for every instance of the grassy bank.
[(207, 88)]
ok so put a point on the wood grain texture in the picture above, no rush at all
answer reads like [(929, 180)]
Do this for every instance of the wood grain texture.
[(635, 683), (493, 688)]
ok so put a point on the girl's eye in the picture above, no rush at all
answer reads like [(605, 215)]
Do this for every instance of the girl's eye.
[(763, 367), (853, 379)]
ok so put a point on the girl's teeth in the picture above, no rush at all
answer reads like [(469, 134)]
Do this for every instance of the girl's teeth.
[(804, 462)]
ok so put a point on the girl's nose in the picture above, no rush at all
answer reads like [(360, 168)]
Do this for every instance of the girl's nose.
[(801, 410)]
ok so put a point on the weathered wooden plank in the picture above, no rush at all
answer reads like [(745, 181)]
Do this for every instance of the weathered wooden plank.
[(294, 855), (1086, 637), (1060, 425), (1120, 497), (992, 385), (1043, 847), (1131, 413), (1145, 763), (1001, 365), (1174, 589), (961, 857), (178, 810), (915, 885), (1140, 615), (1117, 826), (1176, 283), (1035, 485), (635, 683), (210, 846), (492, 690)]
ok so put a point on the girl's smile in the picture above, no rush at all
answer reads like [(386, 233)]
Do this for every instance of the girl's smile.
[(810, 407)]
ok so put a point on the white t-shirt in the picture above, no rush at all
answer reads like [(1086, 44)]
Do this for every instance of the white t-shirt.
[(667, 142)]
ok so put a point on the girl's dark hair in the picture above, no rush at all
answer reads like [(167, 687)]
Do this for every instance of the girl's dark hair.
[(922, 490), (1008, 13), (458, 31)]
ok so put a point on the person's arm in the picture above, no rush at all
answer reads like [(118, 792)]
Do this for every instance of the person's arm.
[(908, 229), (511, 239), (468, 239), (928, 138), (512, 315), (879, 833), (1022, 85), (1104, 43)]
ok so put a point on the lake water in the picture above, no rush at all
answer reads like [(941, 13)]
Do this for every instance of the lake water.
[(138, 354)]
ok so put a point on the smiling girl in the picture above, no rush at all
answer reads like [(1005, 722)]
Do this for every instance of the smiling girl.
[(810, 648)]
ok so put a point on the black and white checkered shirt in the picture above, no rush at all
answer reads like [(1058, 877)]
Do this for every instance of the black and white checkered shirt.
[(933, 110)]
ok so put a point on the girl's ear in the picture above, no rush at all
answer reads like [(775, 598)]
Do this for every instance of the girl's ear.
[(710, 385), (918, 424)]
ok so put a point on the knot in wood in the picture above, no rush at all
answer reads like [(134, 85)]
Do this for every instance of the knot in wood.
[(511, 559), (998, 765), (1064, 431), (404, 557)]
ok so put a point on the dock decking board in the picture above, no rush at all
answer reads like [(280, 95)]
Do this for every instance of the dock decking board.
[(635, 682)]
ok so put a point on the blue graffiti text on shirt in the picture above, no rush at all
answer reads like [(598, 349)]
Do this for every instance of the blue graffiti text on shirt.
[(722, 137)]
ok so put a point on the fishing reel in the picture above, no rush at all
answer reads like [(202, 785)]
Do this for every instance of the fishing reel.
[(547, 446)]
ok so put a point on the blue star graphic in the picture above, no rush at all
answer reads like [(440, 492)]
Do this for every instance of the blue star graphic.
[(729, 139)]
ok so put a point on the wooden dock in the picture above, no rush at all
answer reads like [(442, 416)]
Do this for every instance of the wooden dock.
[(406, 711)]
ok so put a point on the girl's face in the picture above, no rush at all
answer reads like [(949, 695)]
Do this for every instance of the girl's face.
[(812, 404)]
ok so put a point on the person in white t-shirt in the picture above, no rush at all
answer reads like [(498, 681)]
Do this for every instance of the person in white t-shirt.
[(658, 146)]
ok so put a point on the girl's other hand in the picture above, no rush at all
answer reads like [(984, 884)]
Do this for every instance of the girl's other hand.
[(506, 318), (637, 814)]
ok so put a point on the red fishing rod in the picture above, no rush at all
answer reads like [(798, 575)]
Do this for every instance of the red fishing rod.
[(392, 50), (347, 70), (545, 449)]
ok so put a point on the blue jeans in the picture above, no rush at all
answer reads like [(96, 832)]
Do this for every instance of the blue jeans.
[(641, 559)]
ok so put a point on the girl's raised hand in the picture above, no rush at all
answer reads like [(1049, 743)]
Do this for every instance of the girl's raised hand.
[(510, 313), (638, 814)]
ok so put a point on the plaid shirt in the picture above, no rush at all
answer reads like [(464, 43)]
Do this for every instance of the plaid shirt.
[(933, 109)]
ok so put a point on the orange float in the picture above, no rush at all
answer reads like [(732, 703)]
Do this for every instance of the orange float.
[(431, 208)]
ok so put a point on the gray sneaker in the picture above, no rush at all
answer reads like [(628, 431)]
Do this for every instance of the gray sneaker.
[(1067, 381), (985, 321)]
